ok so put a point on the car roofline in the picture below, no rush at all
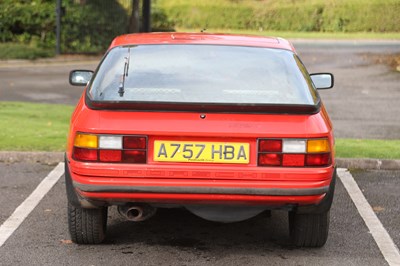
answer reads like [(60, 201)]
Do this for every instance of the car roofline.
[(201, 38)]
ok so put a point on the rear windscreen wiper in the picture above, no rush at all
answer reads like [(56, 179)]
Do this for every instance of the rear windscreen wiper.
[(121, 88)]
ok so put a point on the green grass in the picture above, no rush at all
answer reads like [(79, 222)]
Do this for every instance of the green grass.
[(44, 127), (33, 127), (368, 148), (23, 51)]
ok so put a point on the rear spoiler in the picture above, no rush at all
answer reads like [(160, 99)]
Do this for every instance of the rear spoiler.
[(204, 107)]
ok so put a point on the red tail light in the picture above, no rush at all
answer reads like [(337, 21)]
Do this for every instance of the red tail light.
[(83, 154), (318, 159), (270, 159), (293, 160), (130, 142), (110, 148), (134, 156), (110, 155), (294, 152), (270, 145)]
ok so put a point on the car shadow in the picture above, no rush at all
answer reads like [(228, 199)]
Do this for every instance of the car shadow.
[(179, 229)]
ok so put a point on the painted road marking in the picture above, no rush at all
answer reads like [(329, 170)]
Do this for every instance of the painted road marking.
[(26, 207), (385, 243)]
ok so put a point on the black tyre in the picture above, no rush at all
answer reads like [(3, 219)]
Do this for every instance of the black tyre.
[(309, 230), (87, 226)]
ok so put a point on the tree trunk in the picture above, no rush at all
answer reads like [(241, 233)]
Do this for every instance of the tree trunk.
[(146, 16), (134, 19)]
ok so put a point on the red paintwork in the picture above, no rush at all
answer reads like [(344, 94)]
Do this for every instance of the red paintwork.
[(202, 38), (189, 126)]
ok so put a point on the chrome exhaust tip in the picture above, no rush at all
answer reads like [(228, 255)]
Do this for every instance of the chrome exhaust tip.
[(137, 212)]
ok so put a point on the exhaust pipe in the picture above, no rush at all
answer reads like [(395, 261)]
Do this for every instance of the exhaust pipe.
[(137, 212)]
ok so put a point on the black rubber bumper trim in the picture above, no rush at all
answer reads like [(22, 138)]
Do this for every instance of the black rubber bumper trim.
[(325, 204), (205, 190)]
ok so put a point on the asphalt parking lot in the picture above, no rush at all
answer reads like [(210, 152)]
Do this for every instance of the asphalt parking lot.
[(176, 237)]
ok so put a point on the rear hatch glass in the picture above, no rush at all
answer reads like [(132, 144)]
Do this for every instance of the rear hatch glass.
[(208, 77)]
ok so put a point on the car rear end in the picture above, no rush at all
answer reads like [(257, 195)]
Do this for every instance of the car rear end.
[(180, 145), (201, 158)]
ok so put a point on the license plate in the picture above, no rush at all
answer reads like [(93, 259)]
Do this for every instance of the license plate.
[(201, 152)]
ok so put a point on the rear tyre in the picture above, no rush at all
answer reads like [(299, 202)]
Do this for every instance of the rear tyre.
[(309, 230), (87, 226)]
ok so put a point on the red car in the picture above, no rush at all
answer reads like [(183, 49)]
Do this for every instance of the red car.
[(226, 126)]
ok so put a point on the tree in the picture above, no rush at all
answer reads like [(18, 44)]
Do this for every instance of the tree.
[(134, 22)]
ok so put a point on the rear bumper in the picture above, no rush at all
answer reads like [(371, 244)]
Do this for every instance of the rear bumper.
[(272, 187), (167, 188)]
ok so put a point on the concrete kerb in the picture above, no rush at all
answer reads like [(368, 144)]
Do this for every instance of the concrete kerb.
[(48, 62), (53, 158), (49, 158), (370, 164)]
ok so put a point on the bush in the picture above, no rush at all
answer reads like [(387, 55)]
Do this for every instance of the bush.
[(23, 51), (286, 15), (28, 22), (371, 16), (160, 21), (90, 27)]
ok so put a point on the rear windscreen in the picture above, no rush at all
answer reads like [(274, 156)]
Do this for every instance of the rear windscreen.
[(202, 74)]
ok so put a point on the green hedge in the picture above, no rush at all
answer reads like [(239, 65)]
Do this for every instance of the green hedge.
[(91, 26), (286, 15), (87, 26), (23, 51), (28, 22)]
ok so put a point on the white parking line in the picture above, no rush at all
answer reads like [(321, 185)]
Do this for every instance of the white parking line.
[(26, 207), (385, 243)]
